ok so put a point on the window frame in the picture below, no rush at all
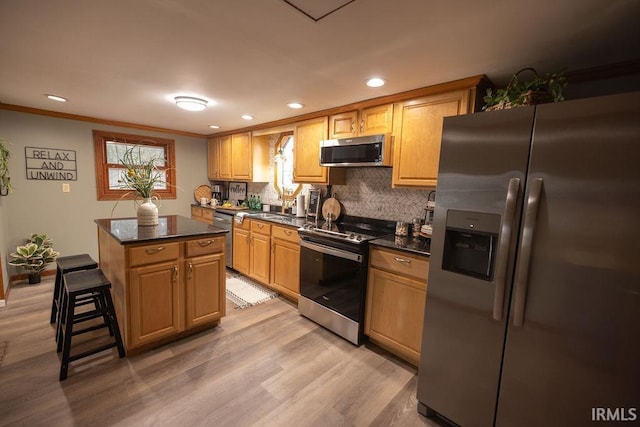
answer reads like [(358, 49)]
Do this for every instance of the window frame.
[(282, 138), (100, 139)]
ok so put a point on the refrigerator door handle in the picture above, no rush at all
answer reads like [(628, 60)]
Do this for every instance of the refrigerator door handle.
[(503, 247), (526, 242)]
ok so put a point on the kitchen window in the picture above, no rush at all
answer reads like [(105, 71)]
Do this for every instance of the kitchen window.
[(283, 168), (109, 148)]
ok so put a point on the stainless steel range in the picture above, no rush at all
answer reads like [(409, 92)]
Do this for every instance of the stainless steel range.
[(333, 272)]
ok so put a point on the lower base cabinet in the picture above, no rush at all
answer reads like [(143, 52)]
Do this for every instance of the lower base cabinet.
[(163, 290), (396, 295), (285, 261)]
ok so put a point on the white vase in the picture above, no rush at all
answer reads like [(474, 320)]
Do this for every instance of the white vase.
[(147, 212)]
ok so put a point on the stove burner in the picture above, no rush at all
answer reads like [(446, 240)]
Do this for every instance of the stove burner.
[(349, 232)]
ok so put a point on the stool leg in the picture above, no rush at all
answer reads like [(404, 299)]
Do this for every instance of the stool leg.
[(55, 303), (101, 304), (63, 319), (114, 322), (66, 336)]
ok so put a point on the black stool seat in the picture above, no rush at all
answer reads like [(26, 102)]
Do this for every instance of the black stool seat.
[(67, 264), (78, 288)]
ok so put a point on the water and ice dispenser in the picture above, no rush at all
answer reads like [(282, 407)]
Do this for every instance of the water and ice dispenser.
[(470, 243)]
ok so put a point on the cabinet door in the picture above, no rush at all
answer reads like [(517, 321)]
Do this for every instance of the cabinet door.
[(285, 267), (395, 313), (376, 120), (418, 133), (224, 153), (260, 256), (241, 155), (155, 300), (213, 159), (343, 125), (306, 155), (205, 290), (241, 252)]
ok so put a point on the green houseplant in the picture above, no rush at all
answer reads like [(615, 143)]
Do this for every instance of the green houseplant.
[(5, 181), (34, 256), (519, 92)]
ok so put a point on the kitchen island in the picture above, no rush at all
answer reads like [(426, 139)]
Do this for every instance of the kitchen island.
[(168, 280)]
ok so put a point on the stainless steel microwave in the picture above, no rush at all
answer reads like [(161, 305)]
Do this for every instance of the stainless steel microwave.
[(373, 150)]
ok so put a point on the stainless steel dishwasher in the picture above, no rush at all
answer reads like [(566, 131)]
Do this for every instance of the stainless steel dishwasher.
[(225, 221)]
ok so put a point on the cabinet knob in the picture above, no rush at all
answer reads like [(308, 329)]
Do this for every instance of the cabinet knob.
[(175, 273), (190, 270), (204, 243), (287, 232)]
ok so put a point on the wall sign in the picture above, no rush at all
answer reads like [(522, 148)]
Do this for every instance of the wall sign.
[(49, 164)]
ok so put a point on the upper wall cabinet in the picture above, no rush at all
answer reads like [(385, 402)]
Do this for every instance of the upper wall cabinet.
[(418, 133), (306, 156), (368, 121), (238, 157)]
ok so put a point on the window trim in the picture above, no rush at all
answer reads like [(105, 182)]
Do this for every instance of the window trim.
[(102, 167), (283, 136)]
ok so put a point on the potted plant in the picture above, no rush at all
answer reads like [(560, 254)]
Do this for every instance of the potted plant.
[(537, 90), (34, 256), (5, 181)]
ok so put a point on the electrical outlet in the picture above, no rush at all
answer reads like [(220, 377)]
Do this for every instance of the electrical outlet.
[(66, 188)]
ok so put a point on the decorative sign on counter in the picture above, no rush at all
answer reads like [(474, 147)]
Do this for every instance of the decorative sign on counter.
[(237, 192), (49, 164)]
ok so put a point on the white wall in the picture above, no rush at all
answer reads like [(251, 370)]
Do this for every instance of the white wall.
[(41, 206)]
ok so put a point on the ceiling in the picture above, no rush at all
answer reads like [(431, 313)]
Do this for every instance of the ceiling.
[(124, 60)]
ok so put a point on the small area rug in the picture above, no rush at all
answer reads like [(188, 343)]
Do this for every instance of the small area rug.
[(245, 293)]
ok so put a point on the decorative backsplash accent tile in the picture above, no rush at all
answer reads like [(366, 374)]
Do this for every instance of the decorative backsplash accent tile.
[(367, 193)]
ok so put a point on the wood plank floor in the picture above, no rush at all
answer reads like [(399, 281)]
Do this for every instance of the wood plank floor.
[(264, 365)]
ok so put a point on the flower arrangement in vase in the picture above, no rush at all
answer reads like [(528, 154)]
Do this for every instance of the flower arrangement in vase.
[(142, 176)]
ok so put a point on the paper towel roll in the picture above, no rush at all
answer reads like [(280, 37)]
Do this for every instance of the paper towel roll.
[(300, 206)]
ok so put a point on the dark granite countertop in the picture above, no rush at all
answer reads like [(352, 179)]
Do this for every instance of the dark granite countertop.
[(126, 230), (419, 246), (277, 218)]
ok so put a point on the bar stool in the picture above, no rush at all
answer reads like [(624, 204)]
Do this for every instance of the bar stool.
[(78, 287), (67, 264)]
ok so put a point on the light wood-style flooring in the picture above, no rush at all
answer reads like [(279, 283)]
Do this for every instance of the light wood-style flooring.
[(264, 365)]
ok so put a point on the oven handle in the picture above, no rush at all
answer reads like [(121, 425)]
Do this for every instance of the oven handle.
[(332, 251)]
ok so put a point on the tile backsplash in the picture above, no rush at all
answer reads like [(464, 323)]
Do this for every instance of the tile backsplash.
[(367, 193)]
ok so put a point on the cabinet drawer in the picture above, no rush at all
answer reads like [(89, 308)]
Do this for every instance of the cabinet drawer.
[(285, 233), (245, 225), (260, 227), (210, 245), (153, 253), (401, 263)]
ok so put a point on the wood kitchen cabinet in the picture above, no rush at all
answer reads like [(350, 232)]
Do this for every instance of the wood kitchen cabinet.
[(306, 155), (238, 157), (201, 214), (204, 303), (396, 295), (368, 121), (241, 246), (418, 133), (164, 289), (285, 261), (260, 248)]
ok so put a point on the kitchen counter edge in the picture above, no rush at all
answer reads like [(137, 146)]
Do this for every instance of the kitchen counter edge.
[(126, 230), (420, 246)]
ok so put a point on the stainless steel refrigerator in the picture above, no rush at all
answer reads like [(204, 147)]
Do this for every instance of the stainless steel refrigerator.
[(533, 303)]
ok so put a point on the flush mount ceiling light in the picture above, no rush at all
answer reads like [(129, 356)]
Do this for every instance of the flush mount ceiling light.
[(247, 117), (191, 103), (295, 105), (375, 82), (214, 126), (56, 98)]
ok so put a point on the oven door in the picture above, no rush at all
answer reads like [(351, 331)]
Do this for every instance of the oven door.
[(333, 278)]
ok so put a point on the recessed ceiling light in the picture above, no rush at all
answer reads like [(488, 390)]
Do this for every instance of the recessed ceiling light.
[(295, 105), (191, 103), (375, 82), (247, 117), (214, 126), (56, 98)]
